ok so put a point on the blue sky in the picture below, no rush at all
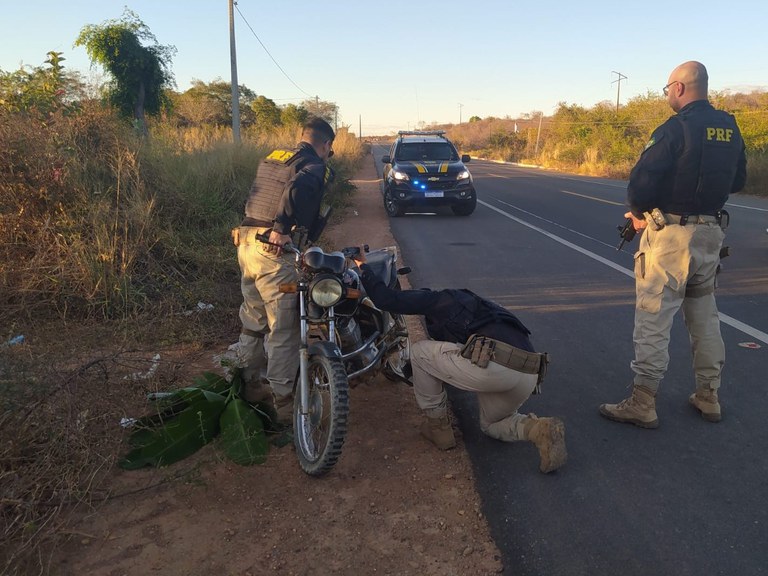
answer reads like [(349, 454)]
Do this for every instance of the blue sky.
[(392, 64)]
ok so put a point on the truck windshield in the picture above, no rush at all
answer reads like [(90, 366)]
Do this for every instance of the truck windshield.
[(420, 151)]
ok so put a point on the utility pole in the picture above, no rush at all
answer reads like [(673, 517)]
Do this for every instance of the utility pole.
[(360, 126), (235, 87), (618, 87), (460, 107), (538, 134)]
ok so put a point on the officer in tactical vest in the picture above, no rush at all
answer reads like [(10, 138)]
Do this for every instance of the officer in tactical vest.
[(478, 346), (676, 194), (284, 203)]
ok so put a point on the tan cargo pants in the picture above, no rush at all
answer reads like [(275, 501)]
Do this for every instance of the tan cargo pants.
[(500, 391), (268, 312), (675, 267)]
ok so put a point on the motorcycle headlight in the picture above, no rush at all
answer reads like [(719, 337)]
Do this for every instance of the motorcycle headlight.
[(398, 175), (326, 291), (463, 175)]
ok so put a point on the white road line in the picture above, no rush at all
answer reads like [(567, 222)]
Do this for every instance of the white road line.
[(724, 318), (592, 198), (747, 207), (623, 186), (553, 223)]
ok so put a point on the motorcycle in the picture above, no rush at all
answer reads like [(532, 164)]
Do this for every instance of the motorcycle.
[(344, 340)]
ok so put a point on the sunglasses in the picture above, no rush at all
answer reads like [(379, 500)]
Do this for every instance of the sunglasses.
[(666, 88)]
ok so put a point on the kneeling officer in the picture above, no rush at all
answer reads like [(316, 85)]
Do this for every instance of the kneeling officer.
[(478, 346)]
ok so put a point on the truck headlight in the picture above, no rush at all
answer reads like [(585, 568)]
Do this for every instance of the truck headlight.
[(463, 175), (400, 176)]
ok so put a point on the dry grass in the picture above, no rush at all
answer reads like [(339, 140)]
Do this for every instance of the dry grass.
[(105, 241), (63, 393)]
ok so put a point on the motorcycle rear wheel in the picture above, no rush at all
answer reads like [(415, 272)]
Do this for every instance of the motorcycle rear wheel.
[(397, 366), (319, 434)]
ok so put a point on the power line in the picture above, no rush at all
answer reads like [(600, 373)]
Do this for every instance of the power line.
[(268, 54)]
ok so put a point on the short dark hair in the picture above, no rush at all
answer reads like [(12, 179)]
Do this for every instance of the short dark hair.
[(317, 130)]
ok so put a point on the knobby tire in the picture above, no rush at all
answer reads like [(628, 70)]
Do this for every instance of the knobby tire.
[(319, 435)]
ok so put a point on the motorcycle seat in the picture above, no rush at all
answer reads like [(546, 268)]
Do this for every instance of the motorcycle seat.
[(316, 259)]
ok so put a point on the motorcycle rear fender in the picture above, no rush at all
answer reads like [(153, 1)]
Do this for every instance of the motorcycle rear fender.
[(324, 348)]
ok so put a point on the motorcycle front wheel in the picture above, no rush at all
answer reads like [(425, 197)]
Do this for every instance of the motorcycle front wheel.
[(319, 434)]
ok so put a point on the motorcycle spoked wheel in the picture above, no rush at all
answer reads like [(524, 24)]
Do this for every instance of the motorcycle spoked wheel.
[(319, 434)]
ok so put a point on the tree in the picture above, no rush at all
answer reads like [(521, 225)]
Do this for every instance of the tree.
[(267, 114), (328, 111), (140, 73), (211, 103), (475, 119), (191, 110), (40, 89), (293, 115)]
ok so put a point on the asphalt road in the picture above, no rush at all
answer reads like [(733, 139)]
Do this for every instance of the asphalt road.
[(689, 498)]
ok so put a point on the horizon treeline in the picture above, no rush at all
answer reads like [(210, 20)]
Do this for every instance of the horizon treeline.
[(604, 141)]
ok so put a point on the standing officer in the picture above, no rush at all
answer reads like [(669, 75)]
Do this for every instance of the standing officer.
[(478, 346), (284, 203), (681, 181)]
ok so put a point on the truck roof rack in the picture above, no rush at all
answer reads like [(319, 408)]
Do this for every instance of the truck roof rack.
[(402, 133)]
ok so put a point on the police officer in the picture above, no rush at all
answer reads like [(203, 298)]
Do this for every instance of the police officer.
[(676, 193), (284, 203), (478, 346)]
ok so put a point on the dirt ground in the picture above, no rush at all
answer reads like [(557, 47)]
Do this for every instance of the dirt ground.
[(392, 505)]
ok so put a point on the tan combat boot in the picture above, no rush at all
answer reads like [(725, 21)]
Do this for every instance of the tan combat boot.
[(438, 431), (257, 390), (707, 403), (639, 409), (284, 409), (548, 435)]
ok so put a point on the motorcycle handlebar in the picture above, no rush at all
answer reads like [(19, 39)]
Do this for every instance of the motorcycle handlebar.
[(352, 251), (349, 251), (287, 247)]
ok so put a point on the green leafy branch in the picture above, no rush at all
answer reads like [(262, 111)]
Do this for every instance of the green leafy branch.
[(186, 420)]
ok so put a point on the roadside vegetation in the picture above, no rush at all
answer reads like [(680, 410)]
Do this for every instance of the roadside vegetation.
[(601, 141), (115, 218)]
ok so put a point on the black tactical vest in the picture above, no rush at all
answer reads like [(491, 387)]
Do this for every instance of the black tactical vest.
[(460, 313), (706, 169)]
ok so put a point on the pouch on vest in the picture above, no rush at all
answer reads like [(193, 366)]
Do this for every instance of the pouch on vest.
[(479, 350)]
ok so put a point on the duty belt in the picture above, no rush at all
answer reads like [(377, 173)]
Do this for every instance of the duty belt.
[(683, 219), (243, 233), (480, 350)]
